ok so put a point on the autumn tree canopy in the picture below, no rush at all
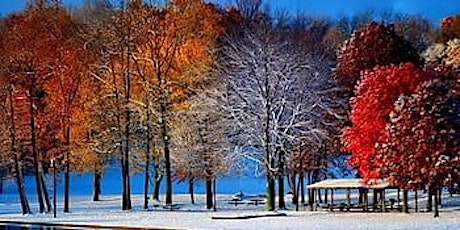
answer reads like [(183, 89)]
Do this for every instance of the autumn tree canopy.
[(422, 147), (369, 46), (375, 97)]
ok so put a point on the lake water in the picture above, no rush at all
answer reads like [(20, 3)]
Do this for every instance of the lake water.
[(81, 185)]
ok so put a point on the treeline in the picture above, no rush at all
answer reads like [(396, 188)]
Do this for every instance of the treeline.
[(189, 90)]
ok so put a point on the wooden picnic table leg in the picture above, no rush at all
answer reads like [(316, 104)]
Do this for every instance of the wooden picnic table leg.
[(348, 199)]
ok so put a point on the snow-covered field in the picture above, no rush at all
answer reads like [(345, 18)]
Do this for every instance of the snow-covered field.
[(108, 211)]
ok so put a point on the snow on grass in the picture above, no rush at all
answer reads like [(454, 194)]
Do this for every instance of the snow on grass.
[(108, 212)]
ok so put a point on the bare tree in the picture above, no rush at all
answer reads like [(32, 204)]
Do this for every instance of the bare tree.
[(276, 94), (200, 143)]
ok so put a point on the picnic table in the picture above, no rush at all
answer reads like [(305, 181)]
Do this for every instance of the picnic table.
[(256, 201), (240, 198), (236, 201)]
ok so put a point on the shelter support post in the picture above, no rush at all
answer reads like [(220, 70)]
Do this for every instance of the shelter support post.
[(348, 199), (332, 199)]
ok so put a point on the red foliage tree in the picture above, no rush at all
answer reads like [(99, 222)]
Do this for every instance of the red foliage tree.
[(375, 97), (423, 145), (371, 45)]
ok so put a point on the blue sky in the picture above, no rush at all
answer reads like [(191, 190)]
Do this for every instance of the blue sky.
[(433, 9)]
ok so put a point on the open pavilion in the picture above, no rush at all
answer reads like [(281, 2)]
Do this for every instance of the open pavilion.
[(378, 187)]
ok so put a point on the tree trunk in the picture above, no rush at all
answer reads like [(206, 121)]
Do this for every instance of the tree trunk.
[(270, 193), (429, 203), (126, 176), (147, 177), (147, 155), (37, 159), (164, 132), (300, 182), (440, 197), (293, 188), (67, 168), (281, 202), (209, 193), (436, 202), (20, 184), (310, 191), (302, 187), (405, 207), (97, 181), (157, 184), (190, 190), (416, 200), (2, 173), (214, 185), (126, 182), (19, 177), (45, 194)]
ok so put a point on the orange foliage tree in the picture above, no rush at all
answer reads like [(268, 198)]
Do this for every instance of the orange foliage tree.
[(173, 58)]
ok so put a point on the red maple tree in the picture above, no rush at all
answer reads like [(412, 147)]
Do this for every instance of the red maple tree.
[(375, 98)]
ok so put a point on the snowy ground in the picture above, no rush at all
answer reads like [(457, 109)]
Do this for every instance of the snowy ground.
[(107, 212)]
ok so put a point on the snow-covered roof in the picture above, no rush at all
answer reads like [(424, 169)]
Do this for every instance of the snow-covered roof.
[(349, 183)]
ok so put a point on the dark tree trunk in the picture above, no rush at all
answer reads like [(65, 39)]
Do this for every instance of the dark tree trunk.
[(436, 202), (45, 194), (19, 177), (429, 204), (310, 192), (67, 169), (214, 185), (97, 181), (270, 193), (293, 188), (190, 190), (281, 202), (157, 184), (416, 200), (147, 157), (126, 177), (126, 182), (302, 187), (37, 159), (2, 173), (405, 200), (164, 132), (300, 181), (20, 184), (440, 197), (209, 197), (146, 181)]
